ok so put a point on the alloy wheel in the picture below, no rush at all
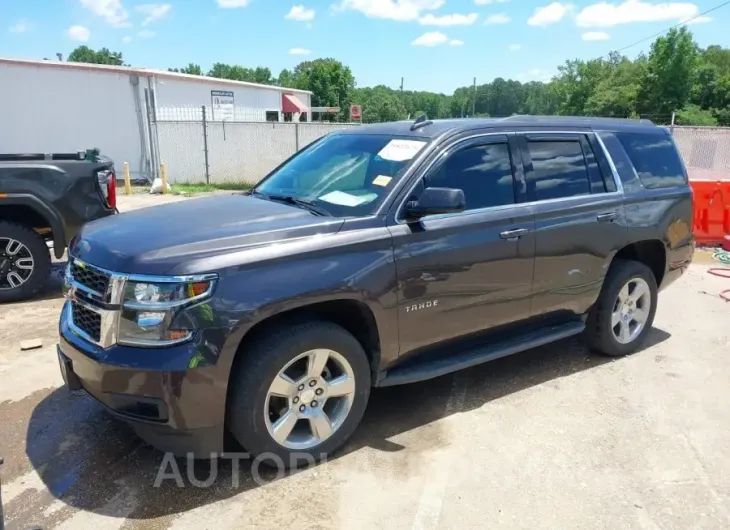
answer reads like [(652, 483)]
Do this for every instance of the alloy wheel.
[(309, 399), (16, 263), (631, 310)]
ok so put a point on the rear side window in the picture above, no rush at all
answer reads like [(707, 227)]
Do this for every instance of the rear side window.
[(655, 159), (558, 169)]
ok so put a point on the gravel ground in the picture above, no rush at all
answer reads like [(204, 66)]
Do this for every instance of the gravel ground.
[(551, 438)]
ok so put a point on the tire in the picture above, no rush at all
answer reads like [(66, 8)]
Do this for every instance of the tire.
[(252, 408), (601, 334), (34, 247)]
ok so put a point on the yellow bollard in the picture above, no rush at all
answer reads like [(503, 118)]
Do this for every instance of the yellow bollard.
[(163, 176), (127, 181)]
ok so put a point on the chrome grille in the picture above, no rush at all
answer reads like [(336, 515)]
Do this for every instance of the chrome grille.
[(86, 320), (90, 277)]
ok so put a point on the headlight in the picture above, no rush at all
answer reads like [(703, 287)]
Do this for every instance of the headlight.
[(149, 308)]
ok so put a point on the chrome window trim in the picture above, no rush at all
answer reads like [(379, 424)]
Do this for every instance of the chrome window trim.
[(611, 164), (433, 162), (616, 178)]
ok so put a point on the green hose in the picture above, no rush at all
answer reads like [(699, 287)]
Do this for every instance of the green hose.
[(723, 256)]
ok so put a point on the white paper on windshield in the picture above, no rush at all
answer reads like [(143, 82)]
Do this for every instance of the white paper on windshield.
[(346, 199), (401, 150), (382, 180)]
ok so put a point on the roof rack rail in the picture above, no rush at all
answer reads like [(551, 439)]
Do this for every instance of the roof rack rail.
[(421, 121)]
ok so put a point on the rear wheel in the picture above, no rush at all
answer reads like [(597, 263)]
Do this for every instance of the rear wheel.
[(623, 315), (24, 262), (300, 393)]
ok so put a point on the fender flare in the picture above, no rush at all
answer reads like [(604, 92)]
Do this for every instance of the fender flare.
[(42, 209)]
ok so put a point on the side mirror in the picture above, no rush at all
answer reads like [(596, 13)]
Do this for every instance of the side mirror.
[(435, 201)]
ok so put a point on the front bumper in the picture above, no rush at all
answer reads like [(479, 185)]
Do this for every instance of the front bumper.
[(173, 402)]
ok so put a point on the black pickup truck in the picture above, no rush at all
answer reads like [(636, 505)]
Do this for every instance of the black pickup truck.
[(47, 198), (380, 255)]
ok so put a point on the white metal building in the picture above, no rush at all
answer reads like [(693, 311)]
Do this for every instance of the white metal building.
[(52, 106)]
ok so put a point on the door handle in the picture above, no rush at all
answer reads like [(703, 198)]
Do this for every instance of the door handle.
[(607, 216), (512, 235)]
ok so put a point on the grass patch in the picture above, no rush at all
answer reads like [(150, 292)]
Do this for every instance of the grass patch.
[(190, 189)]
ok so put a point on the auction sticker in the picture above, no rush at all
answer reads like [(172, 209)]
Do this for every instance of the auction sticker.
[(401, 150)]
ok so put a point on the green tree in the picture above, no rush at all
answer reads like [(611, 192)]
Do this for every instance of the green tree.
[(380, 104), (615, 95), (666, 85), (286, 79), (84, 54), (576, 82), (694, 115), (191, 68), (260, 74), (330, 81)]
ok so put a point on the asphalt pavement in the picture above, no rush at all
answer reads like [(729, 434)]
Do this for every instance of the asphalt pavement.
[(555, 437)]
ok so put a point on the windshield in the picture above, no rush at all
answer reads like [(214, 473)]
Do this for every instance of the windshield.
[(343, 174)]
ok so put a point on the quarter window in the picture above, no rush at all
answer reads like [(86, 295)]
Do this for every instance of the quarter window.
[(655, 159), (558, 169), (482, 172)]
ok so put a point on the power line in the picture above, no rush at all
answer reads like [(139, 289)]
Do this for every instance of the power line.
[(672, 27)]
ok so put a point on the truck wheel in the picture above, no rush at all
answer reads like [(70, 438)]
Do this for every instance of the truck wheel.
[(24, 262), (622, 317), (300, 393)]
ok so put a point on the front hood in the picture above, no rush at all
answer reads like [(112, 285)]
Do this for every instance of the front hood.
[(158, 239)]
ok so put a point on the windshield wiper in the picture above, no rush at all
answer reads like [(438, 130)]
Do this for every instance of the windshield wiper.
[(289, 199)]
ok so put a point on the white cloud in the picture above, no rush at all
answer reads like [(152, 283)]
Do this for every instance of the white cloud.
[(231, 4), (456, 42), (400, 10), (605, 15), (544, 16), (110, 10), (21, 26), (300, 51), (79, 33), (499, 18), (432, 38), (145, 34), (448, 20), (489, 2), (300, 14), (127, 39), (153, 11), (514, 47), (596, 35)]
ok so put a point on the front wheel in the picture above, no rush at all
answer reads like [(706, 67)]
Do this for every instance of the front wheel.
[(300, 393), (623, 315)]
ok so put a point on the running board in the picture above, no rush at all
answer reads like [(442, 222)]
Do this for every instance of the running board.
[(481, 354)]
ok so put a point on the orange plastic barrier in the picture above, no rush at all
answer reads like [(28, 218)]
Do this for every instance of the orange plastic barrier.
[(711, 211)]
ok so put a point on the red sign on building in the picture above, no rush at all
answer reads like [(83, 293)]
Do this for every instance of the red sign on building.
[(355, 112)]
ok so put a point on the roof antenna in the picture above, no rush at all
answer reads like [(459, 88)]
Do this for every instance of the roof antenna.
[(421, 121)]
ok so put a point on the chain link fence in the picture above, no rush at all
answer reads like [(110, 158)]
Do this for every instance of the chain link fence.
[(705, 150), (199, 149)]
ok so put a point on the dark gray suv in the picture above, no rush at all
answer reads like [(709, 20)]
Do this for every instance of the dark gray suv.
[(376, 256)]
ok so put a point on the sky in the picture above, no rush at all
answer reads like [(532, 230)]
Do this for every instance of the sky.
[(435, 45)]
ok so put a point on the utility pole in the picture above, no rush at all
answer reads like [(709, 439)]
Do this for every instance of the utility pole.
[(474, 100), (401, 84)]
